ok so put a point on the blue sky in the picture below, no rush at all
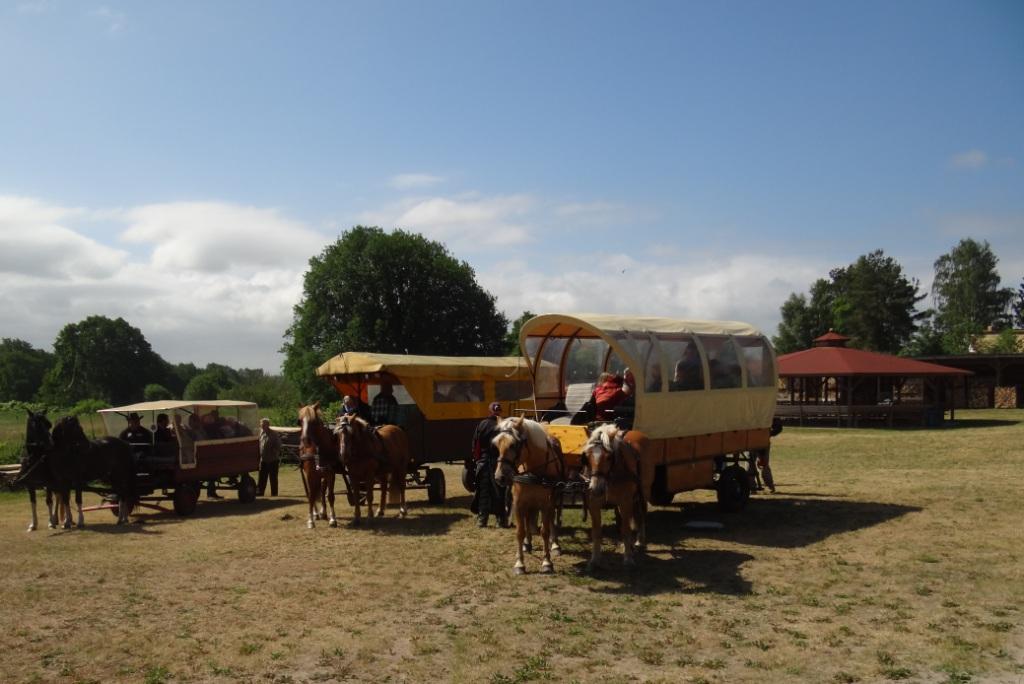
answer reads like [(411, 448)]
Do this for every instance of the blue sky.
[(677, 158)]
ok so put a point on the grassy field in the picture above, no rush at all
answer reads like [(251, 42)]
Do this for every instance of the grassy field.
[(885, 555)]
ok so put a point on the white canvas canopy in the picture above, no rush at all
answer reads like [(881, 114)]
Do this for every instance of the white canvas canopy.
[(731, 365)]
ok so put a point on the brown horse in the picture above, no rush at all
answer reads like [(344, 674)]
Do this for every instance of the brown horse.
[(373, 455), (613, 458), (533, 463), (318, 454)]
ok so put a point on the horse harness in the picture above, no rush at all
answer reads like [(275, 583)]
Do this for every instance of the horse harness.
[(518, 441)]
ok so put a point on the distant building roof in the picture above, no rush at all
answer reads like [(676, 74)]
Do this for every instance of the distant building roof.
[(833, 359)]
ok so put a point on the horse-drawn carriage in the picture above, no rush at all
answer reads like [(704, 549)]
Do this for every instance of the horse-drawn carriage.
[(439, 401), (191, 442), (703, 393)]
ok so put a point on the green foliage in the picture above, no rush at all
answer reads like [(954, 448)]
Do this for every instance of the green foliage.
[(22, 369), (967, 295), (511, 343), (102, 358), (387, 292), (871, 300), (88, 407), (927, 341), (179, 375), (156, 392), (1005, 343), (205, 386), (1017, 306), (269, 391)]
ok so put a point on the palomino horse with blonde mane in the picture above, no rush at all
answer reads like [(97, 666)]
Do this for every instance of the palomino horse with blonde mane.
[(612, 458), (318, 454), (373, 455), (533, 462)]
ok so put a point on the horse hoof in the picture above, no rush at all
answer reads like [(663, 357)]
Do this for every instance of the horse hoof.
[(31, 528), (333, 523), (547, 568), (402, 513), (518, 570), (310, 525), (52, 526), (527, 547), (556, 550)]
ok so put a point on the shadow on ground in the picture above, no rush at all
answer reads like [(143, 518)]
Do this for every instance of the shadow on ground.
[(413, 525), (778, 522)]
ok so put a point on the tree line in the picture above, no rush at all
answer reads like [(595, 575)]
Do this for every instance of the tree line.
[(398, 292), (874, 302)]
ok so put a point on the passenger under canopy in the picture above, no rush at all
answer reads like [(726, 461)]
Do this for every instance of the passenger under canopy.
[(692, 377)]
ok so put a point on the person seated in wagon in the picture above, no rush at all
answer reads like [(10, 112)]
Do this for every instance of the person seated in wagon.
[(135, 434)]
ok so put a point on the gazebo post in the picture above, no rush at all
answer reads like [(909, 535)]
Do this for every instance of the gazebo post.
[(849, 401)]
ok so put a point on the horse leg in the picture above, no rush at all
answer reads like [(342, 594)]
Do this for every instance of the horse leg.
[(314, 484), (329, 486), (595, 504), (400, 483), (51, 508), (78, 505), (383, 494), (557, 524), (34, 523), (521, 528), (640, 522), (626, 515), (547, 522), (65, 513), (369, 500)]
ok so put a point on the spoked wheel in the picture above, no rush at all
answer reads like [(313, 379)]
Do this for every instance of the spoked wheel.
[(733, 489), (116, 509), (435, 486), (246, 489)]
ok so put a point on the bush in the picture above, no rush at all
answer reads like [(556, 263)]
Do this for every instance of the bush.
[(156, 392)]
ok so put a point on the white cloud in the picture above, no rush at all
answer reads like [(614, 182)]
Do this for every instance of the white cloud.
[(970, 159), (412, 181), (36, 7), (204, 281), (748, 288), (115, 20), (218, 237), (462, 223)]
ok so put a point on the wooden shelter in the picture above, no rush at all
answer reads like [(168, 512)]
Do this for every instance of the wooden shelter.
[(831, 383)]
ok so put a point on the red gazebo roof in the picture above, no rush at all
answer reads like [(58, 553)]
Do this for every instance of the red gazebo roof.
[(842, 361)]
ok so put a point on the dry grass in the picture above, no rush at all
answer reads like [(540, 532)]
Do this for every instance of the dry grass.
[(886, 555)]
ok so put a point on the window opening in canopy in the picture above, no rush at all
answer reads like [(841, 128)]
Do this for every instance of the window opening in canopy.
[(546, 373), (684, 363), (723, 361), (585, 360), (757, 357)]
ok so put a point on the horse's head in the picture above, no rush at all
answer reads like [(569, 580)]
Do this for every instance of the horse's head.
[(509, 442), (350, 430), (309, 418), (38, 444), (68, 434), (599, 454)]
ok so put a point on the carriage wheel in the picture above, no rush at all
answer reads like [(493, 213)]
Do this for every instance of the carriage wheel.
[(185, 498), (116, 509), (733, 489), (435, 486), (246, 489), (469, 479)]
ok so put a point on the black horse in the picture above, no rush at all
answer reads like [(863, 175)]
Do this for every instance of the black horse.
[(35, 467), (75, 461)]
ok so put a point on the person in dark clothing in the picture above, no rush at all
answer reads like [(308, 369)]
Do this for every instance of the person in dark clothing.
[(354, 406), (489, 498), (270, 455), (135, 433), (385, 406), (163, 429)]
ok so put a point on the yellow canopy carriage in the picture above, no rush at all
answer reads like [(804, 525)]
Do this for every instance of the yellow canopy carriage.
[(704, 393), (441, 399)]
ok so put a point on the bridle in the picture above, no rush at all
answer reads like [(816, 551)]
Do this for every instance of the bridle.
[(516, 447)]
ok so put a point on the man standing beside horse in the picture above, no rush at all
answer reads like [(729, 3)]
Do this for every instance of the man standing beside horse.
[(489, 497), (270, 457)]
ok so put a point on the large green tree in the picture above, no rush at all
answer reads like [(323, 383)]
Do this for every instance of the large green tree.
[(967, 294), (511, 343), (871, 300), (1018, 306), (102, 358), (22, 369), (387, 292)]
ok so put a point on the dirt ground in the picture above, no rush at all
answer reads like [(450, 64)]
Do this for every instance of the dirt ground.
[(885, 555)]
